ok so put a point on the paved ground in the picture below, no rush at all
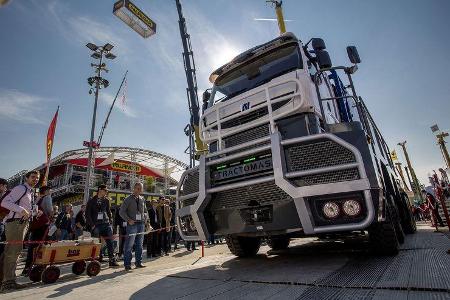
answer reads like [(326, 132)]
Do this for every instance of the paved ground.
[(310, 269)]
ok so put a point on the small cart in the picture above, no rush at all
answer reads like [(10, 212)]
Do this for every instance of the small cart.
[(47, 256)]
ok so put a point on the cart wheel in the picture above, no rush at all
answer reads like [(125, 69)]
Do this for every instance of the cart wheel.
[(93, 268), (78, 267), (36, 273), (50, 274)]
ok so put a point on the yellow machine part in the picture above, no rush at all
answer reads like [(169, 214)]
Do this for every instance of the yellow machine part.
[(199, 145), (280, 18)]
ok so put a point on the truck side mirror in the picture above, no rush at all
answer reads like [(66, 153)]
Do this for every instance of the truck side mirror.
[(318, 44), (353, 55), (324, 60), (205, 99)]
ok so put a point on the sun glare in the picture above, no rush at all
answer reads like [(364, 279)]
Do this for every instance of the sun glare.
[(223, 55)]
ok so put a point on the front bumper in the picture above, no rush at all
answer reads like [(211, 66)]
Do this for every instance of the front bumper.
[(193, 204)]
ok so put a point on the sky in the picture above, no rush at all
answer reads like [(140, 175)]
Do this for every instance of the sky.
[(404, 46)]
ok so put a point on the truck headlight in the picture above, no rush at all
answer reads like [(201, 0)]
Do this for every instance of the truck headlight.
[(331, 210), (351, 208)]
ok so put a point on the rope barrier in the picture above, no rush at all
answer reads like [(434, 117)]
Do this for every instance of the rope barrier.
[(114, 236)]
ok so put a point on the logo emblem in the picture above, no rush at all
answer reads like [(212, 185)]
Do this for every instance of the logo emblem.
[(245, 106)]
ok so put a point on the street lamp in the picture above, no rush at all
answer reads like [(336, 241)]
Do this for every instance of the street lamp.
[(96, 82)]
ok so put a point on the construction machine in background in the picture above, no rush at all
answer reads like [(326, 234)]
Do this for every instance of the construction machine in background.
[(293, 151)]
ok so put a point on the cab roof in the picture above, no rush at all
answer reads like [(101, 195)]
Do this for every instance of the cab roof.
[(241, 58)]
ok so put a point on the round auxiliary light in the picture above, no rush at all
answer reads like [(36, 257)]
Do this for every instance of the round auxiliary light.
[(351, 208), (331, 210)]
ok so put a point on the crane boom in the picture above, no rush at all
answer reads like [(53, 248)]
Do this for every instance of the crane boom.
[(189, 67)]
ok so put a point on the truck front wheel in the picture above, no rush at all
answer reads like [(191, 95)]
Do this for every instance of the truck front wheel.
[(383, 239), (278, 242), (243, 246)]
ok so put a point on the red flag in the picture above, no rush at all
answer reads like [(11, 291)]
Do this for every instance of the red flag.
[(51, 136)]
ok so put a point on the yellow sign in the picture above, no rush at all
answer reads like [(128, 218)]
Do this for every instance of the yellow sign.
[(143, 17), (122, 166), (394, 155)]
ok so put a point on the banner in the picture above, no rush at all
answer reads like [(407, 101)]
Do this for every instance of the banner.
[(50, 138)]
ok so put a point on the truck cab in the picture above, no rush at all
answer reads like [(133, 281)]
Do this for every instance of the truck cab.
[(293, 151)]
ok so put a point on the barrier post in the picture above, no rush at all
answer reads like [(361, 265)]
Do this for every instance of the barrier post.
[(203, 248)]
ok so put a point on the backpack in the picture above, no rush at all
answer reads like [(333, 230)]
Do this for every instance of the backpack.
[(4, 211)]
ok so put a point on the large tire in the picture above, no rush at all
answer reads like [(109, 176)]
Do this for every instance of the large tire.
[(50, 274), (243, 246), (383, 239), (278, 242), (409, 225), (399, 232)]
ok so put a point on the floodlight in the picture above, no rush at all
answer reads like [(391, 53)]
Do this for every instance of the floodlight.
[(109, 55), (108, 47), (96, 55), (92, 46)]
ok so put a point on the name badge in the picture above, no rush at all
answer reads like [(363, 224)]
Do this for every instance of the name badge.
[(138, 217), (100, 216), (124, 224)]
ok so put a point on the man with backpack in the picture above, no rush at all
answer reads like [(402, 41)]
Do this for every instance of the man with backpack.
[(20, 204), (39, 226)]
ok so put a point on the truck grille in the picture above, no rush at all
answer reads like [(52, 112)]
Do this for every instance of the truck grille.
[(247, 136), (317, 155), (190, 184), (188, 202), (329, 177), (262, 193)]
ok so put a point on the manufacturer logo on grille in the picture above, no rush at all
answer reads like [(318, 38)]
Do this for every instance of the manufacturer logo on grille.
[(243, 169), (245, 106)]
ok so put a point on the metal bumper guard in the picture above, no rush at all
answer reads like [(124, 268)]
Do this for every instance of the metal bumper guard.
[(280, 176)]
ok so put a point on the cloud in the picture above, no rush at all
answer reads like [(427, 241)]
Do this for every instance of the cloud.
[(125, 109), (21, 107)]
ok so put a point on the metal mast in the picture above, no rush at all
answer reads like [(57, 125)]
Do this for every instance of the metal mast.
[(416, 186), (191, 91)]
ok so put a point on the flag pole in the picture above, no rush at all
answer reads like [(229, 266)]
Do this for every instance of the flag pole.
[(99, 141), (50, 138)]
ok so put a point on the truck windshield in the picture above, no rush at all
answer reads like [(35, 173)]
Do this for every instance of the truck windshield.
[(257, 71)]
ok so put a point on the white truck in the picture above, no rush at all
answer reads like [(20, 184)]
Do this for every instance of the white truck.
[(293, 151)]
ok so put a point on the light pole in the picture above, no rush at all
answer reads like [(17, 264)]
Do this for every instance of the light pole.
[(98, 53)]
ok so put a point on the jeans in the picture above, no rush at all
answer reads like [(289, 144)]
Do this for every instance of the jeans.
[(105, 231), (135, 240), (64, 235)]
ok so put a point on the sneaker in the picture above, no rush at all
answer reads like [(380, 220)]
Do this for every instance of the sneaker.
[(127, 269), (11, 286), (140, 266), (113, 264)]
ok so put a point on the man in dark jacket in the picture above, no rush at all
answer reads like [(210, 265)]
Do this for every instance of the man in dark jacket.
[(99, 217), (153, 238), (64, 223)]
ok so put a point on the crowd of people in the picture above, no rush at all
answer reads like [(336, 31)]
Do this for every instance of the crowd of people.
[(123, 229)]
